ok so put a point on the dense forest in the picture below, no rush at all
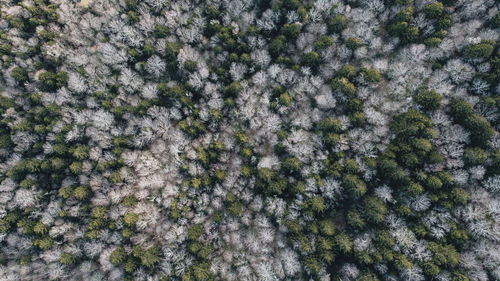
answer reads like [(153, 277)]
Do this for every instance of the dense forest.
[(199, 140)]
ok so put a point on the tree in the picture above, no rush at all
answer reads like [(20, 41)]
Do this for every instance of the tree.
[(20, 75), (149, 257), (412, 123), (311, 59), (51, 81), (277, 46), (479, 51), (480, 129), (233, 89), (370, 74), (343, 242), (195, 231), (434, 10), (327, 227), (354, 185), (322, 43), (329, 125), (474, 156), (344, 85), (374, 209), (291, 165), (337, 24), (428, 100), (290, 31), (161, 31)]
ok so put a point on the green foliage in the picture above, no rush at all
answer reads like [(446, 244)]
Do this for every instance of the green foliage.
[(443, 254), (479, 51), (354, 185), (311, 59), (432, 41), (130, 219), (352, 43), (277, 46), (343, 243), (291, 165), (149, 257), (329, 125), (367, 276), (20, 75), (118, 256), (412, 124), (344, 85), (428, 100), (316, 204), (161, 31), (374, 209), (233, 89), (327, 227), (82, 192), (355, 220), (400, 27), (337, 24), (370, 74), (434, 10), (190, 66), (195, 231), (67, 259), (43, 243), (347, 71), (234, 206), (460, 109), (40, 229), (322, 43), (495, 21), (474, 156), (51, 81), (480, 129), (290, 31)]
